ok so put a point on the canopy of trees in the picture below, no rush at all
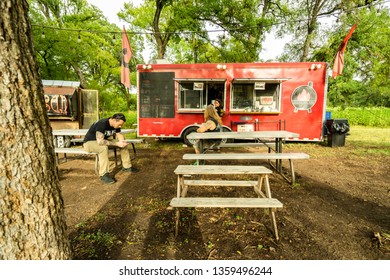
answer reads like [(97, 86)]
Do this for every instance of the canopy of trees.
[(73, 40)]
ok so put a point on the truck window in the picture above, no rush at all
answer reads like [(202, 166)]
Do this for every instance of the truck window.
[(196, 95), (191, 97), (256, 97)]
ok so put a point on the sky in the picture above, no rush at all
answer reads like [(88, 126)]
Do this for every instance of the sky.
[(272, 47)]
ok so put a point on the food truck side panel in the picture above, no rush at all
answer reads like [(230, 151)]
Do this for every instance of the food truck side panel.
[(256, 96)]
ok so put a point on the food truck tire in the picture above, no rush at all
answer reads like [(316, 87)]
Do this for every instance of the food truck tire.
[(187, 132)]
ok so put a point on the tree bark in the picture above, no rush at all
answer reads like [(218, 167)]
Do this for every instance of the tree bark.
[(32, 220)]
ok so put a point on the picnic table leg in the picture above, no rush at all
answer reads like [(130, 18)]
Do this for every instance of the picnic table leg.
[(178, 192), (278, 144), (271, 210), (292, 172), (184, 188), (259, 186), (180, 181), (201, 146)]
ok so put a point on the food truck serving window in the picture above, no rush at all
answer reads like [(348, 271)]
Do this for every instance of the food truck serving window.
[(196, 94), (256, 95)]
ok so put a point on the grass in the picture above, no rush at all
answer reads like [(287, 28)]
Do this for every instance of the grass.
[(360, 141), (369, 140), (89, 245), (369, 135)]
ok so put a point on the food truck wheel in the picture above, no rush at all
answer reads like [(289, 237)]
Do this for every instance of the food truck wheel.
[(187, 132), (62, 141)]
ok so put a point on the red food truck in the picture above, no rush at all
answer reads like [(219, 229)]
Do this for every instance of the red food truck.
[(255, 96)]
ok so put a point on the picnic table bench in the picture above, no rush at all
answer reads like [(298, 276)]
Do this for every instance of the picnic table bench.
[(253, 156), (269, 145), (263, 199)]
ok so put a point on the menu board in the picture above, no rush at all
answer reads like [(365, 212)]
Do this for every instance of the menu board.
[(157, 95)]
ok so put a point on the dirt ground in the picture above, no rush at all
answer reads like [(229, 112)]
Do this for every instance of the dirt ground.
[(338, 209)]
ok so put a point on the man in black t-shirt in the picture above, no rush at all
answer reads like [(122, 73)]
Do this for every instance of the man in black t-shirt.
[(97, 141)]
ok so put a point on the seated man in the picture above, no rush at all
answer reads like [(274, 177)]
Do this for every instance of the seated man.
[(96, 141), (213, 123)]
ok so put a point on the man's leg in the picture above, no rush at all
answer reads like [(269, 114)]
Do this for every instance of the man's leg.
[(125, 156), (93, 146), (126, 160)]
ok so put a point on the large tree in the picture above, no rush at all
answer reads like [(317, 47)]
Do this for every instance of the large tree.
[(32, 220)]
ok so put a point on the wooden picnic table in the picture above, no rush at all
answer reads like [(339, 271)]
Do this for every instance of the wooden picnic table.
[(270, 135), (60, 134), (64, 137), (261, 187)]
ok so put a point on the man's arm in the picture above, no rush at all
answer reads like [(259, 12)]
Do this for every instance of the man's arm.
[(119, 136), (105, 142)]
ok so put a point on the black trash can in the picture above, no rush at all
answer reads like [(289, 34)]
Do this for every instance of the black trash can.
[(337, 130)]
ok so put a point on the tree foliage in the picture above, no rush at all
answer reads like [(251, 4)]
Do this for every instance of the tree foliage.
[(66, 50), (365, 78), (181, 29), (195, 31)]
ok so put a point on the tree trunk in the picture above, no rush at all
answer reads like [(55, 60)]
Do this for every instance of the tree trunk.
[(32, 220)]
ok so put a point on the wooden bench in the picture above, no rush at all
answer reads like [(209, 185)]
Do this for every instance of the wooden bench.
[(78, 151), (222, 183), (81, 151), (253, 156), (131, 141), (226, 202), (264, 200), (269, 145)]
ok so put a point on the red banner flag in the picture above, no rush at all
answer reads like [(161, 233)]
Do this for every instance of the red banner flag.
[(126, 55), (339, 60)]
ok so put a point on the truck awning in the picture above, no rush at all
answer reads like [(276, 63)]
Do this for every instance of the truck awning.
[(198, 80), (266, 80), (59, 90), (58, 83)]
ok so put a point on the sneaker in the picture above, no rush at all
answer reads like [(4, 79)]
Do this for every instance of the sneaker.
[(107, 179), (130, 170)]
